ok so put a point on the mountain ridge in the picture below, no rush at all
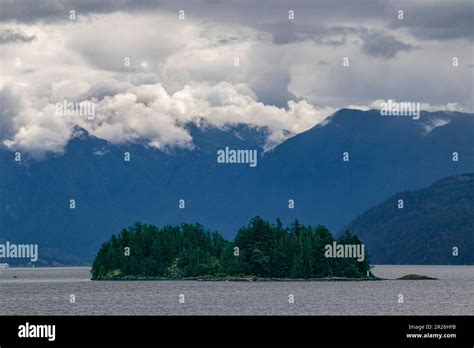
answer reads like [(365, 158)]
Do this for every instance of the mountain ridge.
[(432, 221), (387, 155)]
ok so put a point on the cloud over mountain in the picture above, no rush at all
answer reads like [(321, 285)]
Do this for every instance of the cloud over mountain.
[(149, 112), (221, 64)]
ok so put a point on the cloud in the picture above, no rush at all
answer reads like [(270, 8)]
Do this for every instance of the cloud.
[(434, 19), (375, 42), (8, 35), (285, 32), (29, 11), (10, 105), (34, 129), (149, 113), (426, 20), (382, 45), (190, 63)]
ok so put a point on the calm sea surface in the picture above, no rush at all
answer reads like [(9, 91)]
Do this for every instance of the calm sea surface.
[(46, 291)]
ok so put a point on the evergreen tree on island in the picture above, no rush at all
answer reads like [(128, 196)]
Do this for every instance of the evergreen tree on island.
[(260, 250)]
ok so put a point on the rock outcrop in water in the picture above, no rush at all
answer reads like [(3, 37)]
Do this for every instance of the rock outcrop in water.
[(415, 277)]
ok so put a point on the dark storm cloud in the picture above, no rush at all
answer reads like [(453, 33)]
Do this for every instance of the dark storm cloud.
[(14, 36), (190, 63), (382, 45), (28, 11), (374, 43), (244, 11), (272, 89), (290, 31), (436, 20), (428, 20)]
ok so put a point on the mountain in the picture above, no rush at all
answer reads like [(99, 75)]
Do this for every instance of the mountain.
[(432, 222), (111, 193), (386, 155)]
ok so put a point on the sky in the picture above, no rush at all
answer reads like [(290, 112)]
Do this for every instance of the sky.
[(275, 64)]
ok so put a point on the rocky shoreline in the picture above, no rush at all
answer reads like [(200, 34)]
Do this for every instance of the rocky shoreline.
[(240, 279), (258, 279)]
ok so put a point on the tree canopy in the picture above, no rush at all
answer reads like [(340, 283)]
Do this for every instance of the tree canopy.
[(260, 249)]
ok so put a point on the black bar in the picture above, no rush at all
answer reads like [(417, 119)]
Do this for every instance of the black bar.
[(224, 330)]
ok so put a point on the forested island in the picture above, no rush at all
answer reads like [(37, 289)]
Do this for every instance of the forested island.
[(260, 251)]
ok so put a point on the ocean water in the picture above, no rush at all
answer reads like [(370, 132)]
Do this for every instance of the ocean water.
[(47, 291)]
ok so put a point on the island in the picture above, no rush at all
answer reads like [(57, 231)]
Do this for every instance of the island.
[(260, 251)]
